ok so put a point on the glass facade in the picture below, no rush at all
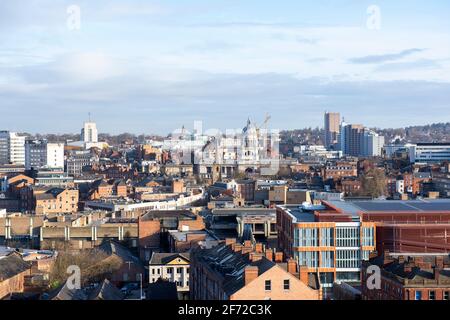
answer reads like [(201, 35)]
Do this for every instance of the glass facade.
[(327, 237), (348, 258), (348, 237)]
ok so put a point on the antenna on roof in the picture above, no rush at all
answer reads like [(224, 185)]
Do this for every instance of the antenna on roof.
[(89, 115)]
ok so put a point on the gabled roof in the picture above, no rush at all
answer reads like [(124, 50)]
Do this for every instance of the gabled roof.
[(106, 291), (11, 265), (230, 265), (164, 258), (114, 248), (64, 293)]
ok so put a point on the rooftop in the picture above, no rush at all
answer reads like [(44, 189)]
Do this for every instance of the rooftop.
[(427, 205)]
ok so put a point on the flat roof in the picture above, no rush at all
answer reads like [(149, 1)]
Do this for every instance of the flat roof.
[(299, 214), (424, 205)]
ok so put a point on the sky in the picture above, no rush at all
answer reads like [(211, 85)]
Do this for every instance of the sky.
[(145, 66)]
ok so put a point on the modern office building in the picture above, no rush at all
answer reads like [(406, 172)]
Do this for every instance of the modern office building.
[(358, 141), (429, 152), (12, 148), (332, 130), (326, 240), (403, 226), (41, 154), (351, 139), (372, 144)]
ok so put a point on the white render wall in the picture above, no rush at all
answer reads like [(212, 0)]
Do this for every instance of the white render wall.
[(179, 274)]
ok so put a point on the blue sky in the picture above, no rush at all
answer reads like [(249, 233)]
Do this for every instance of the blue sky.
[(152, 66)]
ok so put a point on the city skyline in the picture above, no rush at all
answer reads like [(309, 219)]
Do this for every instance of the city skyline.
[(147, 66)]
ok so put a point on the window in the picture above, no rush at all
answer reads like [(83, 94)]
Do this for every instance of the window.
[(432, 295), (286, 284), (268, 285), (446, 295), (179, 270), (169, 270), (418, 295)]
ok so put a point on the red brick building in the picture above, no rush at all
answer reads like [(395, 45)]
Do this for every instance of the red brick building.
[(405, 277), (13, 270), (232, 271)]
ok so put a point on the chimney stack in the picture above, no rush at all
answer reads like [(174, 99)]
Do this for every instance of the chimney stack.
[(303, 274), (278, 257), (259, 247), (229, 241), (292, 266), (269, 254), (255, 256), (237, 247), (250, 274)]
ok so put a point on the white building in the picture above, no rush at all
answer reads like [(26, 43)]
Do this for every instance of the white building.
[(429, 152), (372, 144), (173, 267), (89, 132), (41, 154), (12, 148)]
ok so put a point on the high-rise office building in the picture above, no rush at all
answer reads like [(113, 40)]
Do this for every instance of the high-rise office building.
[(89, 132), (372, 144), (12, 148), (351, 139), (41, 154), (332, 130)]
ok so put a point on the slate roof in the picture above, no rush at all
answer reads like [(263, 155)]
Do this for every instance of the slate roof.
[(11, 265), (106, 291), (230, 265), (159, 258), (64, 293), (114, 248)]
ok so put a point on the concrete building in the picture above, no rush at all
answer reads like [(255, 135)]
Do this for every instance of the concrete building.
[(373, 144), (41, 154), (429, 152), (89, 132), (173, 267), (12, 148), (332, 130)]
